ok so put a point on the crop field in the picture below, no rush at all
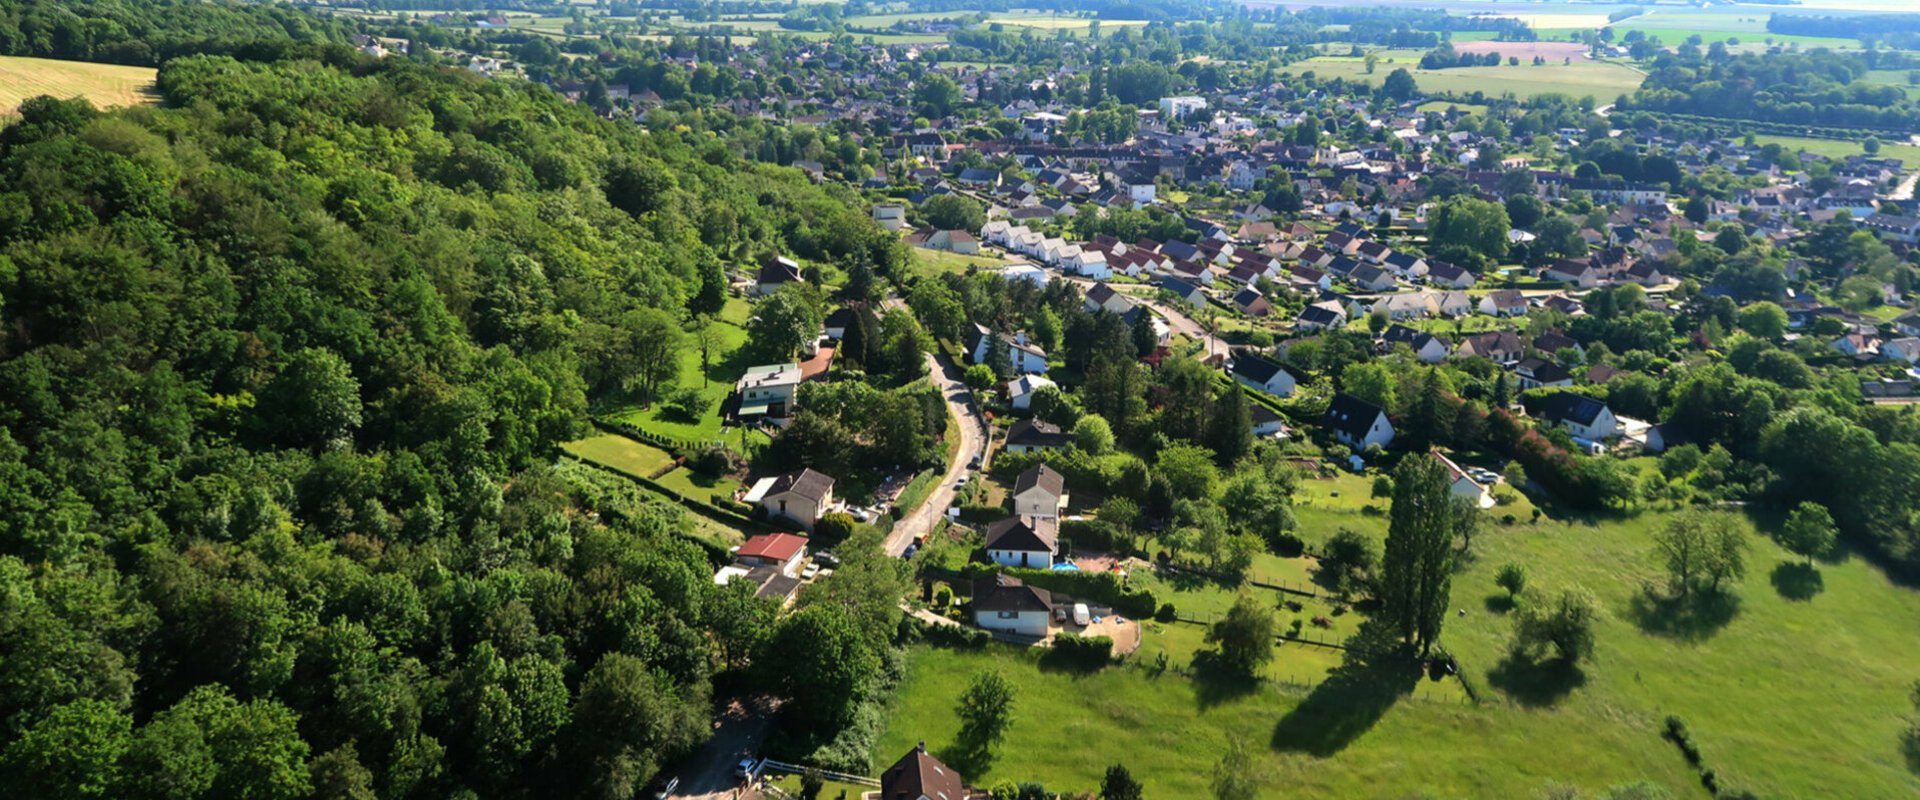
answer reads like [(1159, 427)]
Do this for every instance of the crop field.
[(1602, 80), (103, 84), (1551, 51)]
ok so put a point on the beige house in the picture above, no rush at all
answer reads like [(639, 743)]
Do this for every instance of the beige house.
[(798, 496), (1039, 492), (768, 391)]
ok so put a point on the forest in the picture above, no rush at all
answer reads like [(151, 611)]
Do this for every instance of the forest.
[(285, 364), (1817, 88)]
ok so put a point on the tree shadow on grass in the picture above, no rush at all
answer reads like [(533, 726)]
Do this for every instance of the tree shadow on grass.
[(1536, 684), (1694, 617), (1355, 695), (1910, 747), (1216, 683), (1499, 603), (1796, 580), (971, 755)]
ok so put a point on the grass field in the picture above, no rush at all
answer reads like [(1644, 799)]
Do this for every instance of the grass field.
[(1794, 689), (943, 261), (717, 384), (1838, 148), (1602, 80), (620, 452), (103, 84)]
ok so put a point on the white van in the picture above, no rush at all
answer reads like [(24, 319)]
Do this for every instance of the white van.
[(1081, 616)]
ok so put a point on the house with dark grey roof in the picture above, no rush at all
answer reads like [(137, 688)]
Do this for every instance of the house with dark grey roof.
[(1500, 347), (1535, 372), (1582, 416), (1357, 422), (1252, 303), (1426, 346), (776, 273), (798, 496), (1321, 315), (1258, 373), (1027, 542), (1003, 603), (1187, 292), (1029, 435), (1040, 492)]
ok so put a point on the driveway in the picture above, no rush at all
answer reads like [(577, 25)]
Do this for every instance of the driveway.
[(973, 437), (737, 735)]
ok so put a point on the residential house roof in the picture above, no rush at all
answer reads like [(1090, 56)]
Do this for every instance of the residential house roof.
[(1351, 415), (775, 546), (1542, 370), (1003, 592), (1572, 406), (1256, 369), (1037, 433), (1042, 476), (812, 485), (918, 774), (1018, 533)]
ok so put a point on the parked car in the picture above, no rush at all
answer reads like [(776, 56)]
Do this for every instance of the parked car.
[(810, 571), (744, 769)]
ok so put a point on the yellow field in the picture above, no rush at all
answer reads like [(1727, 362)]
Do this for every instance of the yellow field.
[(104, 84)]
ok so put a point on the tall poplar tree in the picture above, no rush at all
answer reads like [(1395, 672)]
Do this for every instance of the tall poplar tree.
[(1416, 570)]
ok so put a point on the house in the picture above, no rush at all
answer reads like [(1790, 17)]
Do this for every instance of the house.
[(920, 776), (767, 391), (1462, 484), (799, 496), (960, 242), (1321, 315), (1504, 303), (1441, 273), (1357, 422), (1564, 304), (1032, 435), (1908, 323), (1252, 303), (1454, 303), (1406, 306), (1857, 344), (1039, 492), (836, 323), (1426, 346), (1370, 278), (777, 273), (891, 216), (1020, 390), (1905, 348), (1582, 416), (1267, 422), (1554, 341), (781, 551), (1003, 603), (1024, 542), (1101, 296), (1259, 373), (1500, 347), (1535, 373), (1187, 292), (1022, 353), (1577, 272), (773, 584)]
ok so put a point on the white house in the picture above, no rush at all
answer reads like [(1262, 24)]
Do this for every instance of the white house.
[(1582, 416), (781, 551), (1463, 485), (1264, 375), (1003, 603), (768, 391), (1021, 390), (892, 216), (1426, 346), (1357, 422), (1504, 303), (1040, 492)]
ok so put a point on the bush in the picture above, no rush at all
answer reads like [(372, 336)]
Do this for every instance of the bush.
[(954, 636), (943, 597), (1083, 650), (711, 461), (1382, 486), (1089, 534), (1166, 613)]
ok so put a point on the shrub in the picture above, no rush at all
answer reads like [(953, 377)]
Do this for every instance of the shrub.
[(711, 461), (1382, 486), (1166, 613), (943, 597), (1083, 650)]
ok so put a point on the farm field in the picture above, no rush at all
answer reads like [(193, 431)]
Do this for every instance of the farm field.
[(1602, 80), (1840, 148), (102, 84), (1795, 689)]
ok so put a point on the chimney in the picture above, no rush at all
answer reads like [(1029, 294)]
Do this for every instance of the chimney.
[(923, 746)]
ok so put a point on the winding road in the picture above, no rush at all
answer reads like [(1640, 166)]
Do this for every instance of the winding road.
[(973, 436)]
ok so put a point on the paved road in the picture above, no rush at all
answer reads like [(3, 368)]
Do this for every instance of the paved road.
[(973, 437), (737, 735)]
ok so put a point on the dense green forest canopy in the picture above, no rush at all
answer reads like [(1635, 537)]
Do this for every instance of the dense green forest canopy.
[(283, 366), (148, 32)]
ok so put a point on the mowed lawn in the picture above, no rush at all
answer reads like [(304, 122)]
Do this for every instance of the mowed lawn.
[(103, 84), (1789, 697), (620, 453), (1601, 79)]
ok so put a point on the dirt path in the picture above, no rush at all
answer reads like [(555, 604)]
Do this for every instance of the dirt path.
[(973, 436)]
